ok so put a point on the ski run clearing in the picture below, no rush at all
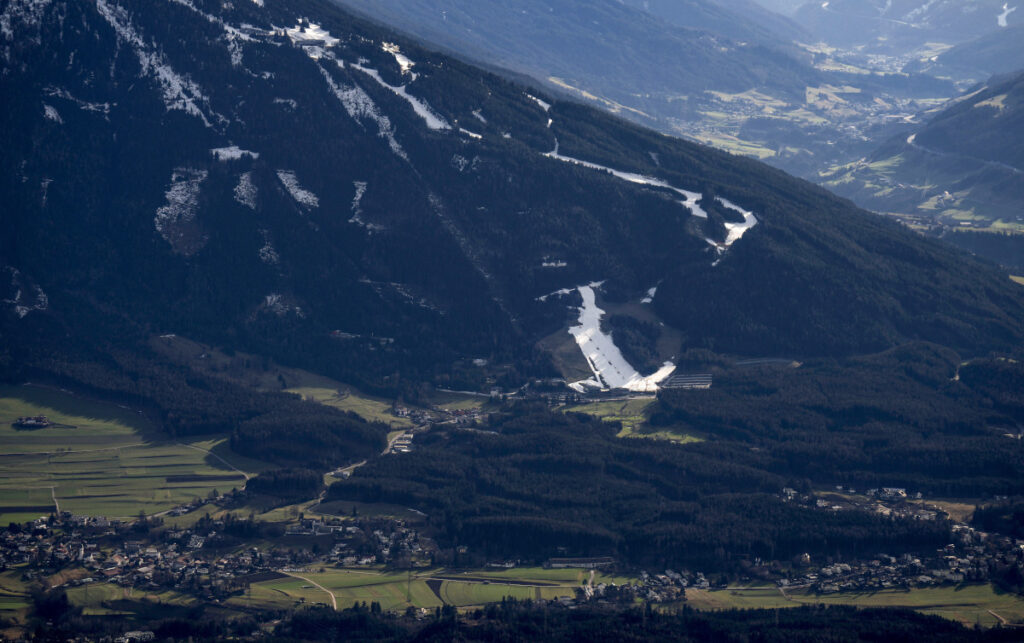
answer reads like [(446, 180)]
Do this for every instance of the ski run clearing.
[(610, 368)]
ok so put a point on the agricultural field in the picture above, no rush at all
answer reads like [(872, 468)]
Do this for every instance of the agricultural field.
[(396, 591), (99, 458), (969, 604), (346, 399), (632, 414)]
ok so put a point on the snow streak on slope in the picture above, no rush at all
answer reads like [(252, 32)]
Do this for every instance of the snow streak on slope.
[(1007, 10), (20, 301), (245, 191), (175, 221), (433, 120), (297, 192), (357, 209), (359, 105), (610, 368), (403, 61), (179, 92), (50, 112), (735, 231), (690, 199)]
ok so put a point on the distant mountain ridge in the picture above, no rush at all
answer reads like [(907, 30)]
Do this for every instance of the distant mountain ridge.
[(291, 180), (904, 24), (962, 168)]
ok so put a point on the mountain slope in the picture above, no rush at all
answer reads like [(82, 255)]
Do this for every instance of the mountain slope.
[(293, 181), (961, 169), (997, 52), (895, 25)]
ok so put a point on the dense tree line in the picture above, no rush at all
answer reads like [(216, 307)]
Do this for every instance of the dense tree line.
[(525, 621), (545, 481), (300, 484), (910, 417)]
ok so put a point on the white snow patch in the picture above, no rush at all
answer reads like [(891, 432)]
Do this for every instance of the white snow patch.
[(182, 201), (689, 201), (301, 195), (50, 112), (232, 153), (403, 61), (275, 303), (433, 120), (610, 368), (359, 105), (1007, 10), (313, 33), (245, 191), (470, 134), (357, 210), (19, 302), (29, 13), (101, 108), (735, 231), (558, 293), (268, 254), (179, 92), (543, 105), (650, 295)]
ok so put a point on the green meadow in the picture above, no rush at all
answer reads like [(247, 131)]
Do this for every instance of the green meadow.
[(99, 458)]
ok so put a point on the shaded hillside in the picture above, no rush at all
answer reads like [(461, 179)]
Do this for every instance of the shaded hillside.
[(298, 183)]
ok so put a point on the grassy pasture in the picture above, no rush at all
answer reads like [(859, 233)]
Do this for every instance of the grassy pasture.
[(969, 604), (101, 459), (632, 414), (346, 399)]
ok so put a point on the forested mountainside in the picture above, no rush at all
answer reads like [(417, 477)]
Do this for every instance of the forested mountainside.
[(725, 73), (292, 180), (962, 168), (997, 52)]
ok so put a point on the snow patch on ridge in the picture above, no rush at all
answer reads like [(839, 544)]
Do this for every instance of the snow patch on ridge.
[(301, 195), (403, 61), (543, 105), (232, 153), (689, 201), (424, 111)]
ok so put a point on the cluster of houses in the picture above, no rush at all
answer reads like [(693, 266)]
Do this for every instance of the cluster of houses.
[(197, 560), (974, 556), (32, 422)]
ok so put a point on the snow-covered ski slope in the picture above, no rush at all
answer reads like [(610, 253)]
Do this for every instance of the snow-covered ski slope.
[(610, 368)]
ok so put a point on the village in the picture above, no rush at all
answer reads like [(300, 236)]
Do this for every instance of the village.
[(213, 559)]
